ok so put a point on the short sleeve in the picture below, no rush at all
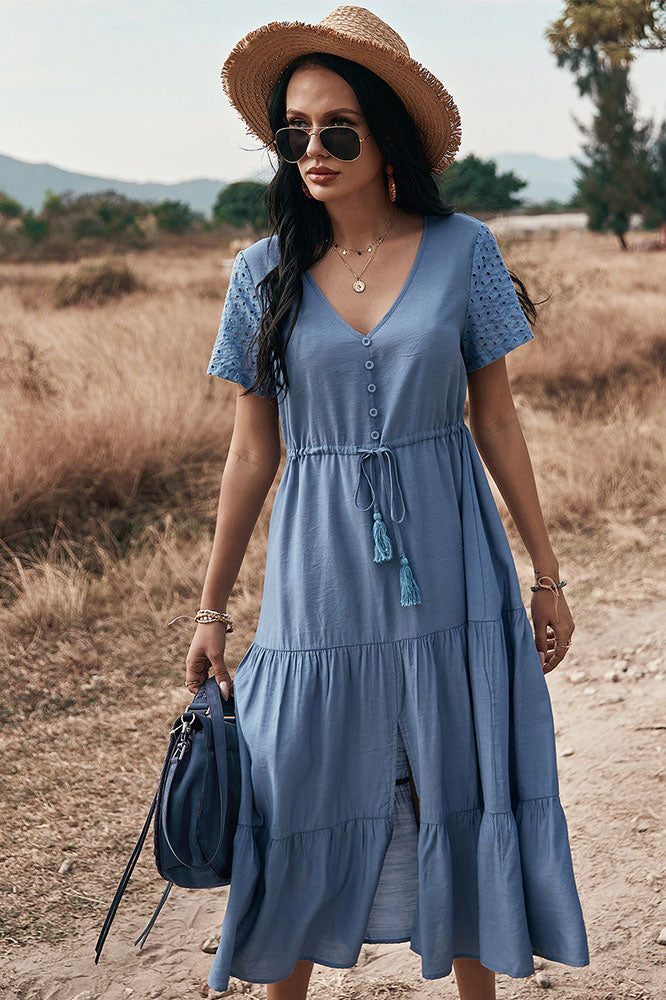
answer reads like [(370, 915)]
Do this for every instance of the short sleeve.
[(495, 321), (231, 358)]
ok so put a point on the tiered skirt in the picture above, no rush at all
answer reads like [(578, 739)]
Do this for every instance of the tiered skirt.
[(328, 853)]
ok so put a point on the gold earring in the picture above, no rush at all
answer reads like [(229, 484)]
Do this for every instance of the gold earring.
[(306, 189), (391, 182)]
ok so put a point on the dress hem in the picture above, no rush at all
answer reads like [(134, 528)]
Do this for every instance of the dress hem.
[(437, 975)]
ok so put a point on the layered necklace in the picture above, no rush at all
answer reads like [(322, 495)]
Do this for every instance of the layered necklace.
[(344, 252)]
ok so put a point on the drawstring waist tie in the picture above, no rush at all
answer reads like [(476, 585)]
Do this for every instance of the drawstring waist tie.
[(382, 459), (383, 550)]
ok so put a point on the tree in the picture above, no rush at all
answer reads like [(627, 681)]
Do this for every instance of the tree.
[(174, 216), (610, 29), (598, 42), (242, 203), (616, 181), (474, 185), (655, 215)]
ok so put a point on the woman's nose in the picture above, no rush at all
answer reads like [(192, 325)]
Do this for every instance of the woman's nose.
[(317, 148)]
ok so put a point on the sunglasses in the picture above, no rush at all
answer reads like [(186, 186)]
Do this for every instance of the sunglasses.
[(341, 141)]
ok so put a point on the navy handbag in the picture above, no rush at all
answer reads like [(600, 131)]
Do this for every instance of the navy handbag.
[(195, 805)]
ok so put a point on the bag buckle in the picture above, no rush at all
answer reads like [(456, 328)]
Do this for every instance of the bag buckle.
[(184, 731)]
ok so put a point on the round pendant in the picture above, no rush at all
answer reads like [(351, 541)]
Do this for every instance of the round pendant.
[(359, 286)]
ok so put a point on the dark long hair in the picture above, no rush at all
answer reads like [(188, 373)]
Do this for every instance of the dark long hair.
[(303, 226)]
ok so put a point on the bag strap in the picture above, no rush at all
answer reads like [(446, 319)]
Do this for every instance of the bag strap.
[(219, 734), (122, 885), (146, 931)]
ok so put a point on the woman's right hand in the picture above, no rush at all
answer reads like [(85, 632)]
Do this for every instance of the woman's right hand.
[(206, 651)]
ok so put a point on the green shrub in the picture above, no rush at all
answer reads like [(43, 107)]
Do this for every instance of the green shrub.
[(34, 227), (88, 226), (53, 205), (174, 216), (241, 204), (8, 207)]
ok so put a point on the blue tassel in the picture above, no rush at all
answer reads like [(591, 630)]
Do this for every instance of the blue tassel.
[(409, 591), (383, 547)]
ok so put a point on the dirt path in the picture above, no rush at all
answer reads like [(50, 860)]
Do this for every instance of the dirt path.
[(610, 714)]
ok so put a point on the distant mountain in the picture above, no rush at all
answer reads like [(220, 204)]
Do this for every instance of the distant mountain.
[(547, 177), (28, 183)]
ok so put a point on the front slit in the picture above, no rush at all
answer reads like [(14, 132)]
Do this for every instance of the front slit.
[(394, 904), (409, 779)]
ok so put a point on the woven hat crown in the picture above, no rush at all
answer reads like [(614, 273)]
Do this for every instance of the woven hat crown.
[(358, 22)]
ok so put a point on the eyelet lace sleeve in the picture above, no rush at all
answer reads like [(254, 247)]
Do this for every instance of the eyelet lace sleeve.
[(232, 358), (495, 321)]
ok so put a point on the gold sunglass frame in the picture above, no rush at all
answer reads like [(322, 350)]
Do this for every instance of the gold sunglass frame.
[(317, 131)]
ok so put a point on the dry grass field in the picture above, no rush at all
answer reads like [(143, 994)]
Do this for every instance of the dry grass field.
[(113, 444)]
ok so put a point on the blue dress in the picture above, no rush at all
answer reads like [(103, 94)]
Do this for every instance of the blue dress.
[(392, 626)]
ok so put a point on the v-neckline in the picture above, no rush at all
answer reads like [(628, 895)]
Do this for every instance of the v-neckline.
[(397, 300)]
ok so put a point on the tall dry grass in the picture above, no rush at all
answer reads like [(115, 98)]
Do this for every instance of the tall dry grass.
[(114, 436), (106, 407), (113, 443)]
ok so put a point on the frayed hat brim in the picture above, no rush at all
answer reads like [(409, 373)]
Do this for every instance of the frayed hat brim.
[(254, 65)]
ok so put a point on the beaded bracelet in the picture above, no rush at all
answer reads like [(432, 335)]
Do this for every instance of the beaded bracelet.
[(551, 585), (204, 615)]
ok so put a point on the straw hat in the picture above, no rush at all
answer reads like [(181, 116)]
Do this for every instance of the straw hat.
[(255, 63)]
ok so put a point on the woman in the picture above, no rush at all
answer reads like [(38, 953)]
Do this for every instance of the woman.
[(396, 734)]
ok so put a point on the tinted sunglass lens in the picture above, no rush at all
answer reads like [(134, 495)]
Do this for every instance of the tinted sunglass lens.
[(341, 142), (291, 143)]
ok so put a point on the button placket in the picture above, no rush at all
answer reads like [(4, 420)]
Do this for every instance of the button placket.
[(371, 387)]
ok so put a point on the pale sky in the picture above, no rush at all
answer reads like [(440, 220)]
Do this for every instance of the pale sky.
[(131, 88)]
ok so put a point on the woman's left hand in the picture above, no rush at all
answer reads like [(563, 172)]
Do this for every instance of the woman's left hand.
[(551, 636)]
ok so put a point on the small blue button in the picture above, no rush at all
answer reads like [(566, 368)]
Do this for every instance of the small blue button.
[(374, 435), (366, 341), (369, 364), (372, 387), (373, 411)]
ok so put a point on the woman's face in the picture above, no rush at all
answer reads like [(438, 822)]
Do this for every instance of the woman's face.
[(316, 96)]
